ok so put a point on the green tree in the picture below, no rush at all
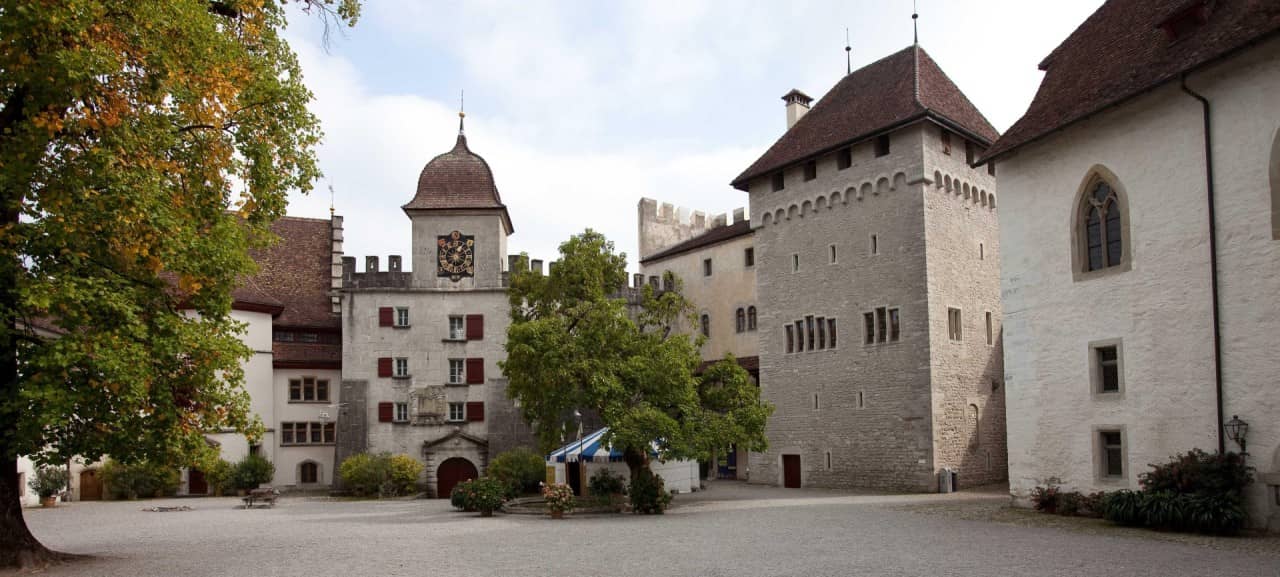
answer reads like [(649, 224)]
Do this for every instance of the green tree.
[(145, 146), (575, 343)]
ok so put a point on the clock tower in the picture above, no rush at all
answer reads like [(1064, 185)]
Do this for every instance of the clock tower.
[(460, 225)]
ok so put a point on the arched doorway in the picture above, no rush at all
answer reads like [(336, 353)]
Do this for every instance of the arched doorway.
[(90, 485), (452, 472)]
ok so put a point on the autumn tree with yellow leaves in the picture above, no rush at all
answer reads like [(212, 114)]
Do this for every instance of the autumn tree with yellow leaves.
[(145, 147)]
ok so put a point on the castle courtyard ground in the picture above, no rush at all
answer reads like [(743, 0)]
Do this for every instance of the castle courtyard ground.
[(730, 530)]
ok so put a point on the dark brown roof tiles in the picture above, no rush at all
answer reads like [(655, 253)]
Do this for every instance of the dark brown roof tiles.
[(294, 273)]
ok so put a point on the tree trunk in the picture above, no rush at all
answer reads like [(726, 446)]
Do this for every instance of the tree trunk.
[(635, 460), (18, 547)]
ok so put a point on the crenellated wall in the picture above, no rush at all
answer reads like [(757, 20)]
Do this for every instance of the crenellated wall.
[(666, 225)]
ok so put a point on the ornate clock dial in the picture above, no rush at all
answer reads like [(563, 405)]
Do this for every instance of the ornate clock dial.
[(455, 256)]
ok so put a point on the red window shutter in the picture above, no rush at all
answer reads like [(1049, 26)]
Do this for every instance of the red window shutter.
[(384, 367), (386, 316), (475, 371), (475, 327), (386, 411), (475, 411)]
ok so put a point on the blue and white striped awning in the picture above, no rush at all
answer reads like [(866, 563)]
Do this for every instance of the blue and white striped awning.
[(591, 448)]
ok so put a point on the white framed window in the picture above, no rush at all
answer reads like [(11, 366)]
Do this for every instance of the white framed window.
[(402, 317), (401, 367), (401, 413), (457, 371), (457, 328), (457, 411)]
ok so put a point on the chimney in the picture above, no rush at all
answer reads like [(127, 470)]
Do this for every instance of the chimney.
[(797, 106), (370, 264), (393, 263)]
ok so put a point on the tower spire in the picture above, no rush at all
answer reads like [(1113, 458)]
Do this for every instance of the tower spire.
[(848, 58), (915, 23), (462, 114)]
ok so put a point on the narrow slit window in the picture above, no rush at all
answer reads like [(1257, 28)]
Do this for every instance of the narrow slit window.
[(870, 322), (822, 333), (893, 325), (831, 332), (791, 343), (881, 325)]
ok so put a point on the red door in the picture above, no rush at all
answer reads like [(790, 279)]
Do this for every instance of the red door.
[(791, 471), (452, 472), (196, 484)]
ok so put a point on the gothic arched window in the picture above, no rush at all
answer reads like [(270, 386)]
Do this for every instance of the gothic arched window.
[(706, 325), (751, 318), (1101, 227), (741, 320)]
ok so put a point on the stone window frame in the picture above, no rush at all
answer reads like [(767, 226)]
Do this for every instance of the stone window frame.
[(1100, 456), (1095, 370), (461, 412), (400, 368), (457, 372), (401, 318), (300, 433), (1079, 257), (457, 330), (400, 412)]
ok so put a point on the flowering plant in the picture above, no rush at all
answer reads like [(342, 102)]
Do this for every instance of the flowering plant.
[(559, 497), (484, 495)]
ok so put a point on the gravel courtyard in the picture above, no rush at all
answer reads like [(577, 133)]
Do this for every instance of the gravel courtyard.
[(730, 530)]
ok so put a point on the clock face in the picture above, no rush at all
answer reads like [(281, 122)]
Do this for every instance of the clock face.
[(455, 256)]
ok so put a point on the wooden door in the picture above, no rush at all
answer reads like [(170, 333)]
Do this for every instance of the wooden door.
[(196, 484), (452, 472), (90, 485), (791, 471)]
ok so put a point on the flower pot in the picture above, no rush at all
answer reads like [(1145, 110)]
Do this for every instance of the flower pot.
[(557, 514), (50, 501)]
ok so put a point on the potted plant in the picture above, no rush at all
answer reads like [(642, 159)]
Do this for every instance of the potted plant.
[(559, 498), (48, 482), (485, 495)]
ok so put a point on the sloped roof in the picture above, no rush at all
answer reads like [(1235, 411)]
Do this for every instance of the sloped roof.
[(713, 236), (1122, 50), (904, 86), (458, 179), (294, 274)]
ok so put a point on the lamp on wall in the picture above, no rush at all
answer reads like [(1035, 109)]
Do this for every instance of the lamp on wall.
[(1237, 431)]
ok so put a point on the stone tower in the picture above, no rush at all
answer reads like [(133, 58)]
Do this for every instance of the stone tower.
[(878, 277)]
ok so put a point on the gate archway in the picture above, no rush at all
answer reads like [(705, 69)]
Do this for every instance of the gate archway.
[(451, 472)]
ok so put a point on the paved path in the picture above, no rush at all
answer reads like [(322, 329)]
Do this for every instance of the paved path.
[(732, 530)]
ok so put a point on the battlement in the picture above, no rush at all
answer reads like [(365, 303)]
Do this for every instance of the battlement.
[(664, 225)]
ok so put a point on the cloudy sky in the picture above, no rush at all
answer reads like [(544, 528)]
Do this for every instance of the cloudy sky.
[(582, 107)]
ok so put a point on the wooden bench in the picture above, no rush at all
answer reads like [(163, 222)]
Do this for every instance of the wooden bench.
[(261, 496)]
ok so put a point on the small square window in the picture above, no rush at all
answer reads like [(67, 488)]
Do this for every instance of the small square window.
[(882, 145), (457, 372), (402, 316), (810, 170), (844, 158), (401, 413), (457, 328), (779, 182), (457, 411), (401, 367), (749, 257), (706, 267)]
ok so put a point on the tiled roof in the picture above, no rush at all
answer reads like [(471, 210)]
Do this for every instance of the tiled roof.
[(1122, 50), (306, 355), (294, 273), (713, 236), (876, 97), (457, 179)]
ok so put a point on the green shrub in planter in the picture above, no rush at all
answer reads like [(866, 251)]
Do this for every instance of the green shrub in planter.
[(605, 482), (252, 471), (485, 495), (49, 481), (648, 493), (521, 470)]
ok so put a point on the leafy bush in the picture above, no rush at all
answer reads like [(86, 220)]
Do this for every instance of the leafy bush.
[(1045, 498), (521, 470), (1091, 504), (49, 481), (485, 495), (559, 497), (648, 493), (1069, 503), (1195, 491), (383, 474), (142, 479), (605, 482), (252, 471), (1199, 472), (217, 473)]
